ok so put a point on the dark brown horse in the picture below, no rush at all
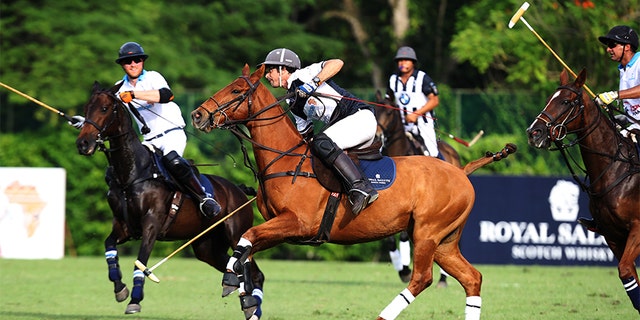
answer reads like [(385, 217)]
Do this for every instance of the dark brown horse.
[(397, 142), (141, 199), (430, 198), (612, 170)]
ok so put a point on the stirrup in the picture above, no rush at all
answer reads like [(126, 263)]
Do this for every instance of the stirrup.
[(368, 198), (209, 207)]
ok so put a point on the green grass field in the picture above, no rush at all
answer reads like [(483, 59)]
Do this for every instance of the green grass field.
[(78, 288)]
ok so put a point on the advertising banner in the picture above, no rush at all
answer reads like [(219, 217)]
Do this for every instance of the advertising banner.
[(531, 220), (32, 207)]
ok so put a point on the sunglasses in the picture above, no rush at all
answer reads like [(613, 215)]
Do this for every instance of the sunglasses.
[(130, 60), (612, 45)]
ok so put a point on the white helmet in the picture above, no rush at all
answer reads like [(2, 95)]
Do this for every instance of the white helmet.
[(282, 57)]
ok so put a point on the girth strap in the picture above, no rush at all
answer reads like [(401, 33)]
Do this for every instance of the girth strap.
[(176, 203), (329, 216)]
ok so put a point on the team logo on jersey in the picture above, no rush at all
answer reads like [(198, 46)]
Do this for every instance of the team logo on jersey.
[(404, 99)]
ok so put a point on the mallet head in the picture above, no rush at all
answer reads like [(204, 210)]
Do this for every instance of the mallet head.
[(147, 272), (518, 14)]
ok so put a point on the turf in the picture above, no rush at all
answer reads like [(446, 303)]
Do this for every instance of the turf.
[(78, 288)]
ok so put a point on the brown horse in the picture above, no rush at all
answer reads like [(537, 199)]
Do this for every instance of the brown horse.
[(430, 198), (141, 199), (612, 170), (397, 142)]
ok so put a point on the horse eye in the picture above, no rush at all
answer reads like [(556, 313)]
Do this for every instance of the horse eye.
[(104, 109), (235, 91), (566, 101)]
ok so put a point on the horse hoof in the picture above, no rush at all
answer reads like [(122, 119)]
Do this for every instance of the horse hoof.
[(405, 274), (230, 283), (133, 308), (249, 314), (442, 284), (122, 295)]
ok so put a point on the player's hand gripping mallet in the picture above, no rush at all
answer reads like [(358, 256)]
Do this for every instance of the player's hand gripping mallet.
[(149, 271), (518, 16)]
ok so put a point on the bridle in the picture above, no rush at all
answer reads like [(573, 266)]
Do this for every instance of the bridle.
[(557, 131), (100, 137)]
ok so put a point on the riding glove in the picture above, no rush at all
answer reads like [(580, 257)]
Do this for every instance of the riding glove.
[(606, 98), (77, 122), (127, 96), (306, 89)]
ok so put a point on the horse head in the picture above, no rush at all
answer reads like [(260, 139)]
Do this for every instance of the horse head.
[(230, 105), (563, 113), (102, 119)]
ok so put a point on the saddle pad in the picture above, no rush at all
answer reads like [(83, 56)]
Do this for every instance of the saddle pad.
[(381, 173)]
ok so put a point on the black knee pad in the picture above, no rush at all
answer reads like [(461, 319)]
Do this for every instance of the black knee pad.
[(324, 148), (178, 166)]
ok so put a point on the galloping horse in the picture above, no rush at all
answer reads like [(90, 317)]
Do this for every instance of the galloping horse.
[(430, 198), (397, 142), (141, 201), (612, 170)]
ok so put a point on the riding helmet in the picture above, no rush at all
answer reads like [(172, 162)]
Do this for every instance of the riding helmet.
[(406, 53), (283, 57), (129, 50), (621, 34)]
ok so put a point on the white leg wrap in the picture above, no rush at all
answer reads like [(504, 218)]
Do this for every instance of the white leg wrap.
[(242, 243), (397, 305), (110, 254), (395, 259), (138, 274), (472, 310), (258, 293), (442, 272), (405, 252)]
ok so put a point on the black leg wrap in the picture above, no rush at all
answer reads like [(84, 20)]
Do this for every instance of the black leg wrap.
[(241, 253), (248, 301), (248, 280)]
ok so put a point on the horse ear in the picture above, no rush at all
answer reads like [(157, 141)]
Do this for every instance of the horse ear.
[(246, 70), (378, 95), (564, 77), (96, 86), (115, 88), (582, 77)]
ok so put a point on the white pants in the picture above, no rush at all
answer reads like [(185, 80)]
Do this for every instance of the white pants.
[(175, 140), (358, 129), (427, 131)]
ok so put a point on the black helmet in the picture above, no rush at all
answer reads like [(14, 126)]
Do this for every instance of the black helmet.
[(130, 50), (621, 34), (282, 57), (406, 53)]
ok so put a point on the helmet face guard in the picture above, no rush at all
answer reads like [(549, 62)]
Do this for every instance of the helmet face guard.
[(131, 50), (282, 57), (621, 34)]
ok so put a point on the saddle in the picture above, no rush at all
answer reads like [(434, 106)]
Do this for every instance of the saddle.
[(328, 178)]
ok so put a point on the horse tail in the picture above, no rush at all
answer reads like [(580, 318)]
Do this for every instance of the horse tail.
[(489, 157)]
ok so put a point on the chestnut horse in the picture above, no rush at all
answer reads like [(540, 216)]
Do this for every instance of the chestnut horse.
[(612, 170), (141, 198), (430, 198)]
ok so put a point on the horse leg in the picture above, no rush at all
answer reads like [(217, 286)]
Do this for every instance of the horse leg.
[(115, 275), (400, 255), (421, 278), (239, 275), (148, 240), (449, 258), (626, 267)]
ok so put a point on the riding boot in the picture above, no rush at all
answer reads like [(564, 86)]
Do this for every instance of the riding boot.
[(361, 192), (181, 170)]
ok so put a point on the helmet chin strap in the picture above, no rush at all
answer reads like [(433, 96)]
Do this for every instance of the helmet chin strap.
[(279, 76)]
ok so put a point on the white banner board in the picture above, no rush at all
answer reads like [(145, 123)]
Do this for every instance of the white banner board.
[(32, 213)]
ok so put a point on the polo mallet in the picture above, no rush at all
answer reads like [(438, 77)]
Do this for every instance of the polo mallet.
[(461, 141), (149, 271), (42, 104), (518, 16)]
